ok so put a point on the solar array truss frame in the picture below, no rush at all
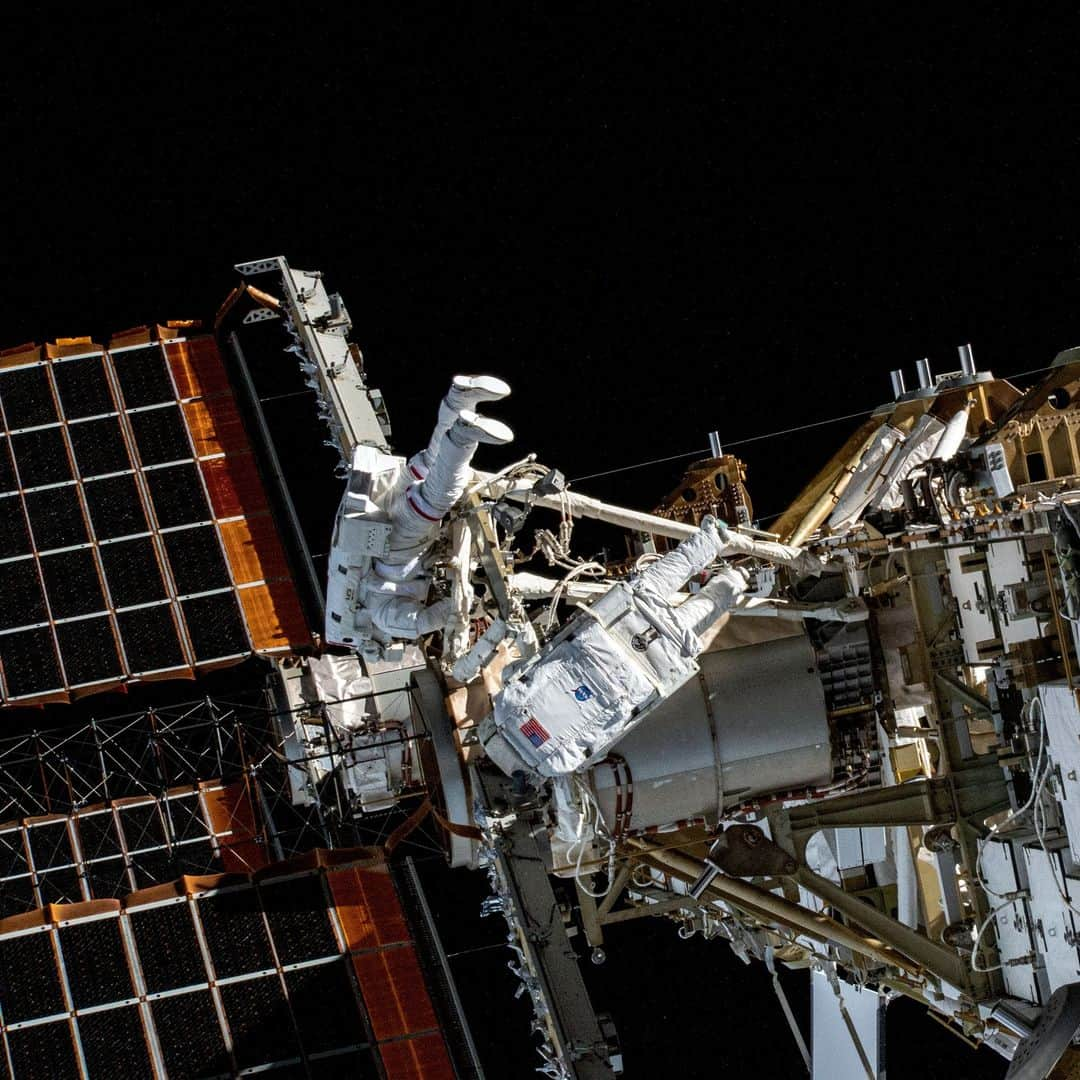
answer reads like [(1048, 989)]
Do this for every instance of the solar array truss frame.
[(151, 766)]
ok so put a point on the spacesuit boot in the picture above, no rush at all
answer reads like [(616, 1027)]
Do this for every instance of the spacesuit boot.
[(465, 393)]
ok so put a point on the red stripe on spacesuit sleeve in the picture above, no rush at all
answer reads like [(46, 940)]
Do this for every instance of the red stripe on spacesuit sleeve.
[(426, 517)]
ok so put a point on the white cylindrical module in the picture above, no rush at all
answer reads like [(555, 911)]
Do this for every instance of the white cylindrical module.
[(753, 723)]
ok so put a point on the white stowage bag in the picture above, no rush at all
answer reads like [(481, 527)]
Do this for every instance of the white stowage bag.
[(575, 704)]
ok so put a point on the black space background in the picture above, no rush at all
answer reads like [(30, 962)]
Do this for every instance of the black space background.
[(652, 226)]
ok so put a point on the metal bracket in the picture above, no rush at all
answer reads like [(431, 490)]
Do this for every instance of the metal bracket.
[(258, 266)]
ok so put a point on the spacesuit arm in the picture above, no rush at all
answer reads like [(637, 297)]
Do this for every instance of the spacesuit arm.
[(691, 557), (736, 543)]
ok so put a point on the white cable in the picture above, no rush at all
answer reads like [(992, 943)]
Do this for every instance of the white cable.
[(978, 938), (1036, 782), (1040, 833), (590, 804), (590, 568)]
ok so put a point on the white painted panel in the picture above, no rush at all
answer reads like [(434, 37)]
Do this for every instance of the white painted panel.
[(833, 1051)]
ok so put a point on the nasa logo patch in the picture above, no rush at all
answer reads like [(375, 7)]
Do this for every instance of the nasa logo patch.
[(583, 693)]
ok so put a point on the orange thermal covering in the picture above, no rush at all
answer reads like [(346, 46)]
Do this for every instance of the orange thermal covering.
[(232, 818), (253, 548), (402, 1016)]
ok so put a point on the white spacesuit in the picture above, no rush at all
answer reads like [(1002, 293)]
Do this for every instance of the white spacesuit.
[(602, 674), (390, 515)]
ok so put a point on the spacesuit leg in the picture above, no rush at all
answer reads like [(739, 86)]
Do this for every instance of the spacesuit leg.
[(691, 557), (425, 504), (403, 617), (466, 392)]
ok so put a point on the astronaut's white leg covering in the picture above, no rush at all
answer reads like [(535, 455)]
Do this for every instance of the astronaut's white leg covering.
[(447, 416), (695, 553), (416, 517), (403, 617)]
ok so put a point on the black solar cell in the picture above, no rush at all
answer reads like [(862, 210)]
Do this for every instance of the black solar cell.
[(94, 959), (215, 626), (13, 860), (14, 539), (178, 496), (235, 934), (190, 1036), (151, 867), (168, 948), (89, 651), (143, 376), (83, 387), (296, 911), (185, 817), (41, 457), (60, 886), (259, 1020), (150, 639), (196, 559), (29, 661), (115, 507), (16, 896), (114, 1045), (27, 398), (323, 1000), (97, 835), (143, 826), (23, 601), (7, 470), (71, 583), (56, 517), (108, 878), (22, 998), (99, 446), (132, 572), (43, 1053), (195, 858), (50, 845), (160, 436)]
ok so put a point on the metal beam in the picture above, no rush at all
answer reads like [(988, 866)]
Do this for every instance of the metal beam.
[(661, 907), (974, 792), (943, 962), (772, 908), (546, 950)]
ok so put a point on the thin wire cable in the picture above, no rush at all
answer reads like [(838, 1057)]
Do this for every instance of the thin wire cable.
[(767, 435)]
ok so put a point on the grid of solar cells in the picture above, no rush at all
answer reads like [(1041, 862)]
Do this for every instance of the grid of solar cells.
[(273, 974), (113, 849), (112, 556)]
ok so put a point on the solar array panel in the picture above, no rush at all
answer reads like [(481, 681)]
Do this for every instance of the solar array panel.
[(304, 971), (111, 849), (136, 540)]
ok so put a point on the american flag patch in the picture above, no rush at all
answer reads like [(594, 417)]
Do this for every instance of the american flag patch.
[(534, 732)]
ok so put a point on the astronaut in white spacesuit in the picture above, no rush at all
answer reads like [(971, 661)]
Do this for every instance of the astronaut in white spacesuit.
[(605, 671), (392, 513)]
